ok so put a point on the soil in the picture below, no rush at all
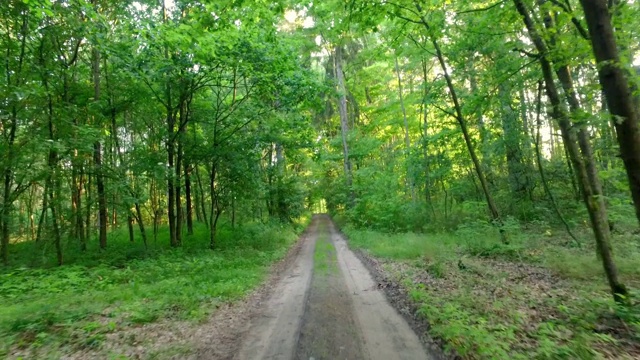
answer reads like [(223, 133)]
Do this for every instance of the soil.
[(333, 310), (329, 327)]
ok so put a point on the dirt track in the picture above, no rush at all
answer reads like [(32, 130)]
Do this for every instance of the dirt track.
[(329, 308)]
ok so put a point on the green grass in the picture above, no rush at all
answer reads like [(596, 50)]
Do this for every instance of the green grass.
[(324, 255), (540, 296), (72, 307)]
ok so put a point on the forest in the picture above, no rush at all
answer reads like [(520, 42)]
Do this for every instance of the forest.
[(158, 157)]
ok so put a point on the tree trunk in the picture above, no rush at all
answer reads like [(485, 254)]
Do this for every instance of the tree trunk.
[(543, 177), (485, 149), (54, 214), (30, 209), (171, 123), (187, 195), (43, 212), (518, 177), (178, 175), (493, 208), (171, 189), (130, 227), (79, 221), (592, 196), (202, 202), (215, 209), (617, 89), (97, 155), (344, 126), (407, 140), (425, 134)]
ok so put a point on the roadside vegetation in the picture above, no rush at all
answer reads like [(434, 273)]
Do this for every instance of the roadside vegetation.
[(51, 311), (533, 298)]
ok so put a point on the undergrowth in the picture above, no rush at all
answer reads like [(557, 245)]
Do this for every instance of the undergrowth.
[(540, 296), (50, 310)]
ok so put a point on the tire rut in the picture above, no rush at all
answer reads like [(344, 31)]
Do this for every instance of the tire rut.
[(327, 306)]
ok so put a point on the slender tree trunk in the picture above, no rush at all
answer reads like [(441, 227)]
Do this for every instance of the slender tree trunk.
[(592, 195), (493, 208), (97, 156), (518, 177), (43, 212), (171, 189), (88, 210), (577, 193), (202, 202), (155, 207), (187, 195), (171, 151), (617, 89), (344, 126), (425, 134), (79, 221), (54, 216), (407, 140), (543, 177), (130, 227), (51, 181), (141, 223), (178, 175), (7, 201), (30, 209), (215, 210), (485, 148)]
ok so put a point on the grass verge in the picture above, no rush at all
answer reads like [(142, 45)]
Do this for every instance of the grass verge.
[(535, 298), (50, 311)]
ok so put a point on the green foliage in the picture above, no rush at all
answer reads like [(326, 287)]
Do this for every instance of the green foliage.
[(532, 298), (78, 304)]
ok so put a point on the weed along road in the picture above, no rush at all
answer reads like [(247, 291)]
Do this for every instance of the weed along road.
[(327, 306)]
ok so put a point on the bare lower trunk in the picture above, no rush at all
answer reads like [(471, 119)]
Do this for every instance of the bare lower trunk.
[(171, 188), (130, 228), (5, 217), (179, 217), (43, 212), (187, 195), (202, 203), (102, 201), (215, 210), (56, 228), (4, 245), (140, 221)]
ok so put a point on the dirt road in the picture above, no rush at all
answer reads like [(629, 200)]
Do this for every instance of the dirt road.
[(327, 306)]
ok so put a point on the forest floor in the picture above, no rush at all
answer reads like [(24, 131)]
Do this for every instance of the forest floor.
[(132, 302), (540, 296)]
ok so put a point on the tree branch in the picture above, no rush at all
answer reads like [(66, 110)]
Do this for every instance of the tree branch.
[(480, 9)]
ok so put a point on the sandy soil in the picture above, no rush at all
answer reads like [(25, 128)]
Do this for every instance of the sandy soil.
[(336, 312)]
